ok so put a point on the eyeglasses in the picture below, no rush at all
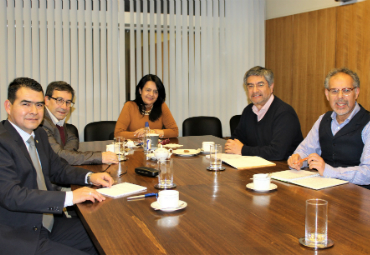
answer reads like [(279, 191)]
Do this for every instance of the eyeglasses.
[(60, 101), (345, 91)]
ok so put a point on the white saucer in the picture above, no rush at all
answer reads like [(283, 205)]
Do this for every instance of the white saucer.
[(272, 187), (172, 145), (155, 205), (151, 156), (189, 153)]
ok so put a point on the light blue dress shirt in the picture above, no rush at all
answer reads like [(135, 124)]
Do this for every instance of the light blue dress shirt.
[(355, 174)]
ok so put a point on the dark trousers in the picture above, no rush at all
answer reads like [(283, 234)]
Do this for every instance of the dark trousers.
[(67, 237)]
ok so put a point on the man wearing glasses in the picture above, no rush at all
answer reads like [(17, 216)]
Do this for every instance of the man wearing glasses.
[(31, 219), (338, 145), (58, 101)]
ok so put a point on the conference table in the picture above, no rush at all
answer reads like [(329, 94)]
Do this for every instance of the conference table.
[(222, 216)]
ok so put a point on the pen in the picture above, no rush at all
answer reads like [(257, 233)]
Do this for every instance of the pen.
[(143, 196), (301, 161)]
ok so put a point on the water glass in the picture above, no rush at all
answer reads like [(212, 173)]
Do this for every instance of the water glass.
[(119, 148), (316, 231), (165, 176), (215, 157)]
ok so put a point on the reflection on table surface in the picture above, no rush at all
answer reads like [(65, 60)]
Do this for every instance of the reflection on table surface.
[(222, 216)]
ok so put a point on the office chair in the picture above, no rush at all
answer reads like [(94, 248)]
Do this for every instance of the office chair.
[(202, 125), (234, 122), (72, 128), (99, 131)]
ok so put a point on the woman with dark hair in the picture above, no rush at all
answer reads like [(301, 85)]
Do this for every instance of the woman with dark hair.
[(148, 106)]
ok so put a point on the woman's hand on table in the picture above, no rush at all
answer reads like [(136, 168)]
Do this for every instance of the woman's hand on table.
[(139, 133)]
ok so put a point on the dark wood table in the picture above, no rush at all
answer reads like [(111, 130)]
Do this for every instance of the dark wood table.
[(222, 216)]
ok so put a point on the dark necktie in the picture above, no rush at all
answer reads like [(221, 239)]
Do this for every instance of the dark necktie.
[(47, 218), (61, 132)]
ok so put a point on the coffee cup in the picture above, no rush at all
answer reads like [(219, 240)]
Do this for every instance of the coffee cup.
[(261, 181), (168, 198), (206, 146), (153, 140)]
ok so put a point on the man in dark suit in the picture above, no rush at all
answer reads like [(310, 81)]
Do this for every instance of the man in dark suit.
[(58, 100), (31, 220)]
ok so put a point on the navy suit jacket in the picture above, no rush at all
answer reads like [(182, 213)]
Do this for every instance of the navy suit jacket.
[(21, 202)]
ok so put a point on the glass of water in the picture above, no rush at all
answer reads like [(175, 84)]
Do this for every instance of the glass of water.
[(316, 228), (119, 148), (215, 157), (165, 176)]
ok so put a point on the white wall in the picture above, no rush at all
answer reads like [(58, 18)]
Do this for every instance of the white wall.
[(281, 8)]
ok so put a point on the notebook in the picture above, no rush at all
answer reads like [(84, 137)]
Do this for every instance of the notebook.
[(245, 162), (121, 190), (307, 179)]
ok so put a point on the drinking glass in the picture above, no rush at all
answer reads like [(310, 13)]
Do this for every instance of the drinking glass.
[(316, 231), (120, 147), (165, 176), (215, 157)]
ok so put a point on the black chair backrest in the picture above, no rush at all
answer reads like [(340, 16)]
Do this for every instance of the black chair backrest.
[(234, 122), (99, 131), (72, 128), (197, 126)]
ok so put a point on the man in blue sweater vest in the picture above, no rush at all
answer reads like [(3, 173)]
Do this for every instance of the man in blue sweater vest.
[(268, 127), (338, 144)]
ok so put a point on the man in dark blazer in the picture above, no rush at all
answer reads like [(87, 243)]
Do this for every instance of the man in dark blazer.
[(26, 198), (59, 100)]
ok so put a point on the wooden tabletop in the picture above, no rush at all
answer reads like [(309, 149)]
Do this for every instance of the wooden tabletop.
[(222, 216)]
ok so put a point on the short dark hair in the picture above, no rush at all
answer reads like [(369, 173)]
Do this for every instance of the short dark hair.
[(260, 71), (20, 82), (356, 80), (60, 86), (157, 106)]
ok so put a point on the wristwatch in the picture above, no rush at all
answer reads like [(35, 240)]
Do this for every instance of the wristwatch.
[(88, 178)]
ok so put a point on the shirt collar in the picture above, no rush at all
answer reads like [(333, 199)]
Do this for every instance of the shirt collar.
[(261, 113), (25, 136), (60, 123), (353, 113)]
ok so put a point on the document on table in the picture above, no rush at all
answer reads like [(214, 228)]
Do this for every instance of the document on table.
[(121, 190), (245, 162), (307, 179)]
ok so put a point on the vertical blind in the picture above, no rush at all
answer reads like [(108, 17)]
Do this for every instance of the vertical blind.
[(199, 48)]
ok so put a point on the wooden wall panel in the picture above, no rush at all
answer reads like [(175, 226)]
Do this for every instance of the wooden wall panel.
[(353, 44), (301, 49)]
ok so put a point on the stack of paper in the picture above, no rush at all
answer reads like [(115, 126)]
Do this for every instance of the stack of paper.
[(245, 162), (307, 179), (121, 190)]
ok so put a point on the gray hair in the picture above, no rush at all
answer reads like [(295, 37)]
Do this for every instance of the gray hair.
[(356, 80), (260, 71)]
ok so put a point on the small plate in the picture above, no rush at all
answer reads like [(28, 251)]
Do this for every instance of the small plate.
[(172, 145), (272, 187), (186, 152), (155, 206)]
